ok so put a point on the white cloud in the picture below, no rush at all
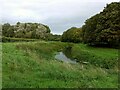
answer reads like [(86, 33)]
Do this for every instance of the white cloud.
[(58, 14)]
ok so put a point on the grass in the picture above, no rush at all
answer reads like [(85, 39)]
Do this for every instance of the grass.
[(102, 57), (32, 65)]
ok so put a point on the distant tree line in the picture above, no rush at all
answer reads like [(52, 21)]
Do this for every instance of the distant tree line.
[(102, 29), (28, 30)]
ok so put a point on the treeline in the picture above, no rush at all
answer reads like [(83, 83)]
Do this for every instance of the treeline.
[(29, 31), (102, 29)]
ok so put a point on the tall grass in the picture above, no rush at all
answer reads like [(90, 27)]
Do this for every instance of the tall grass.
[(32, 65), (101, 57)]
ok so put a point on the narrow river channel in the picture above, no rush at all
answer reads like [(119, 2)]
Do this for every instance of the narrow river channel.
[(62, 57)]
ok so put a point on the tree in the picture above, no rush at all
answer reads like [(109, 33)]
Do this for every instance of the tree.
[(72, 35), (103, 28), (26, 30), (10, 32), (52, 37), (7, 30)]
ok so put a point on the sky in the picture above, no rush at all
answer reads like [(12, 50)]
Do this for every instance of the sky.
[(59, 15)]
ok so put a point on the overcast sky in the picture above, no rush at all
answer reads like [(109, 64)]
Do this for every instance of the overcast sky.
[(59, 15)]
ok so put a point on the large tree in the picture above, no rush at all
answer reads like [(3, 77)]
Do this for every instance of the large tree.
[(103, 28)]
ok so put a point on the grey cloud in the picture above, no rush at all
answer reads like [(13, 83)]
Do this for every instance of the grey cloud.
[(59, 15)]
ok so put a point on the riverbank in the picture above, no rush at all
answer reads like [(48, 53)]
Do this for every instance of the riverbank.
[(33, 65)]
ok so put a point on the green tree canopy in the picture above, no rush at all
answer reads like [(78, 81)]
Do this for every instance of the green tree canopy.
[(7, 30), (72, 35), (103, 28), (26, 30)]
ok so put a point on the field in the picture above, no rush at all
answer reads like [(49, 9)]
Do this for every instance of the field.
[(32, 65)]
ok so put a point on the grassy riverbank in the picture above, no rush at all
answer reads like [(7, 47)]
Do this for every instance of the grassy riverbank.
[(32, 65)]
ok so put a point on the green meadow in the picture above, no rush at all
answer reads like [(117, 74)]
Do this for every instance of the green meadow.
[(33, 65)]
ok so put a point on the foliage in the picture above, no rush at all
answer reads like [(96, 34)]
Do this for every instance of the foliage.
[(103, 28), (72, 35), (52, 37), (7, 30), (26, 30)]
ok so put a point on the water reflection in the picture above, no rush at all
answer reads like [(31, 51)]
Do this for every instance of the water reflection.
[(67, 53), (62, 57)]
